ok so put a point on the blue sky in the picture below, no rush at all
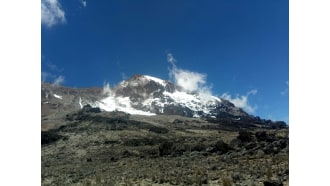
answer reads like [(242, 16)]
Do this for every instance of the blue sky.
[(241, 46)]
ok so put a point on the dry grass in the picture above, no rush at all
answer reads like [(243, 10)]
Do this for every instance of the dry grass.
[(95, 155), (226, 181)]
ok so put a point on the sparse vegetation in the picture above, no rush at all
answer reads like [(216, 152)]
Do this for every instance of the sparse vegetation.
[(245, 136), (226, 181), (158, 130), (269, 173), (140, 153), (50, 137)]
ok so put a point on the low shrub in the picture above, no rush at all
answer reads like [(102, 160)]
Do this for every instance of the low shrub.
[(50, 137)]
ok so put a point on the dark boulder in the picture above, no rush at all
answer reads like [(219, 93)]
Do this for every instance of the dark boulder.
[(245, 136), (50, 137), (278, 125), (158, 130), (264, 136), (236, 143), (221, 147), (273, 183), (165, 148), (89, 109), (261, 135)]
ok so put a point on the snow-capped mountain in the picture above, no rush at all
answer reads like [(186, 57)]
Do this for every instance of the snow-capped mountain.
[(149, 95), (143, 95)]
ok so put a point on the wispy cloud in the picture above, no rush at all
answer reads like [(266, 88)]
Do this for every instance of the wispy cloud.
[(286, 90), (123, 76), (45, 76), (53, 67), (58, 81), (51, 13), (106, 89), (49, 77), (171, 59), (83, 2), (50, 72), (242, 101)]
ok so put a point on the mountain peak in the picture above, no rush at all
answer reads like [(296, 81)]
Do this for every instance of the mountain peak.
[(143, 79), (159, 81), (148, 95), (142, 95)]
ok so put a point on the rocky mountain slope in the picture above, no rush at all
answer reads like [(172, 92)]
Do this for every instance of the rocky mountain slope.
[(116, 148), (146, 131), (142, 95)]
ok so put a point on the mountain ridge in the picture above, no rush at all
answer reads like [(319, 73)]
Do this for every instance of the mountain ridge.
[(143, 95), (83, 144)]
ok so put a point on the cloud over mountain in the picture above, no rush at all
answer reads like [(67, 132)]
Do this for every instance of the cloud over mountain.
[(197, 82), (242, 101), (190, 81), (58, 81)]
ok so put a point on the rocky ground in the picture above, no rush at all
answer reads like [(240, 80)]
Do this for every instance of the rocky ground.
[(114, 148)]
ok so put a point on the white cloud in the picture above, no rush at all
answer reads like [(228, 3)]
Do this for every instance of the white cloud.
[(45, 76), (242, 101), (253, 92), (196, 82), (84, 3), (51, 13), (190, 81), (106, 89), (171, 59), (58, 81), (50, 72)]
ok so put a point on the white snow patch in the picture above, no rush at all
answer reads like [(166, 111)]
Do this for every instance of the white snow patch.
[(123, 83), (81, 105), (183, 97), (154, 101), (196, 115), (58, 96), (134, 84), (194, 102), (201, 100), (112, 103), (160, 81)]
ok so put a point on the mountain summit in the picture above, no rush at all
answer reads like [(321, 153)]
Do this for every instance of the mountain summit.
[(86, 129), (149, 95), (142, 95)]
